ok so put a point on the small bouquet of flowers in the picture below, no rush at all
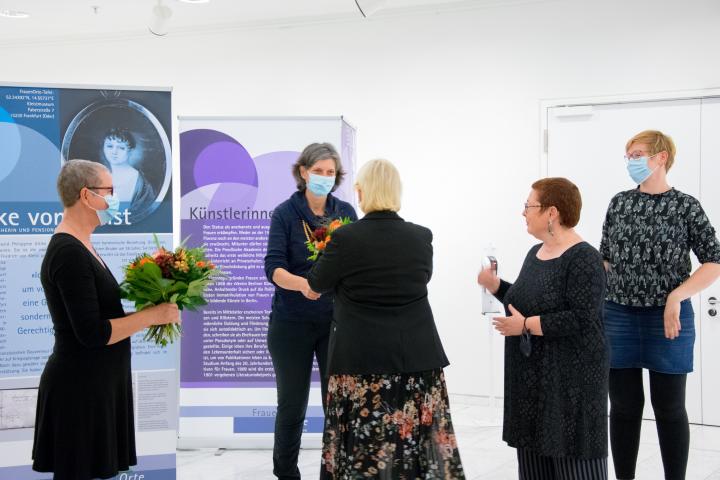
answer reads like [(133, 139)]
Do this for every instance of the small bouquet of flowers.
[(179, 277), (318, 239)]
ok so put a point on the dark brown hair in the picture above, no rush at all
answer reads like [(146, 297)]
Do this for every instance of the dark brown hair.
[(562, 194)]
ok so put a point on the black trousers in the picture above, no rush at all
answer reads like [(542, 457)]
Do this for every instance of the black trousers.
[(532, 466), (667, 394), (292, 347)]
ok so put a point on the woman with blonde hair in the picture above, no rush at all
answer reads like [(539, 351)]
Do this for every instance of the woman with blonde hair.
[(388, 414), (646, 242)]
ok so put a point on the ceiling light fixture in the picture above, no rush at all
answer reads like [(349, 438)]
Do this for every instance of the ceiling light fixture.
[(14, 14), (369, 7), (160, 18)]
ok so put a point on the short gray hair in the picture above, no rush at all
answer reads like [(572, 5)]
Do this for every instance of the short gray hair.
[(74, 176), (312, 154)]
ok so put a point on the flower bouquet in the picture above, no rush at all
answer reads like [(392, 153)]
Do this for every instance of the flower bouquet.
[(318, 239), (179, 277)]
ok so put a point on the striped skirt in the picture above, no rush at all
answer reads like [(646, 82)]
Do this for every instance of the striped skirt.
[(532, 466)]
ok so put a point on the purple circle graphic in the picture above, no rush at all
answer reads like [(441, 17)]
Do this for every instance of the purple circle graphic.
[(224, 162), (192, 143)]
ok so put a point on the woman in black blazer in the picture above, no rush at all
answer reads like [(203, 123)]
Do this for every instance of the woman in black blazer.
[(388, 414)]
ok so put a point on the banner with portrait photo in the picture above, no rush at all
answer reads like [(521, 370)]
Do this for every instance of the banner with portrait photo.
[(127, 130)]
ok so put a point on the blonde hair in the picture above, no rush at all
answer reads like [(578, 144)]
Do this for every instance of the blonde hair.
[(380, 184), (657, 142)]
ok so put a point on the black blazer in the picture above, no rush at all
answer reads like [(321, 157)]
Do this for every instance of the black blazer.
[(379, 268)]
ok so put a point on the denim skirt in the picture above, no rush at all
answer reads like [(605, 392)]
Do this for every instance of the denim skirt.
[(636, 336)]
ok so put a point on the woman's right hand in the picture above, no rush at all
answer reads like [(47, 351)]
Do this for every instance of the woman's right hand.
[(307, 291), (489, 280), (164, 313)]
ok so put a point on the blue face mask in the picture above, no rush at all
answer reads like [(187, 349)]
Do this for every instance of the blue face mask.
[(108, 215), (320, 185), (638, 169)]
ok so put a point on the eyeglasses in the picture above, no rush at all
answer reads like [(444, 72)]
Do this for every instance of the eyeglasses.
[(112, 189), (531, 206), (636, 155)]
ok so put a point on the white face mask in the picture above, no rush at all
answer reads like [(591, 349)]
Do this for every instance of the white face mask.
[(107, 215)]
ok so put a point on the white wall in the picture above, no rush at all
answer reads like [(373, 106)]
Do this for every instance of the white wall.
[(452, 98)]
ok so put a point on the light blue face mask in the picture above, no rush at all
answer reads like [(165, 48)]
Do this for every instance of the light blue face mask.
[(638, 169), (320, 185), (108, 215)]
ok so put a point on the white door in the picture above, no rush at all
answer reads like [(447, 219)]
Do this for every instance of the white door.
[(709, 320), (586, 145)]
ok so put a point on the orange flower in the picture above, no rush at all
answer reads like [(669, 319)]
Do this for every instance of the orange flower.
[(145, 260), (211, 266), (200, 264), (426, 415), (320, 245), (335, 224), (364, 412), (327, 239), (131, 266), (406, 429)]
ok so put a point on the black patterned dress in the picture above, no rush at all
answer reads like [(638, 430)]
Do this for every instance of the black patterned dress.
[(556, 398)]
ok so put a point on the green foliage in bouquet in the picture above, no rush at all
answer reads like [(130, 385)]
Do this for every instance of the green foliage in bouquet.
[(318, 239), (179, 277)]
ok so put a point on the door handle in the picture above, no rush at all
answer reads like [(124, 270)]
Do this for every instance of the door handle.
[(712, 301)]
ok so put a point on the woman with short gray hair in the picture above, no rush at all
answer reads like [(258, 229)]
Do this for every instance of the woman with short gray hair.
[(84, 425), (299, 325)]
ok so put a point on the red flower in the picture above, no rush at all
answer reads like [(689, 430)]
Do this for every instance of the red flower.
[(320, 233)]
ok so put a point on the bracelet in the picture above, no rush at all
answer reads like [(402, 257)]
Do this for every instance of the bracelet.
[(525, 329)]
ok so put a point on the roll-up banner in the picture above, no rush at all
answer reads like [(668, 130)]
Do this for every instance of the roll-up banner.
[(41, 127), (234, 172)]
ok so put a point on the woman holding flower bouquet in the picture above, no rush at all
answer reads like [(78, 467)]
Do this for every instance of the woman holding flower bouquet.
[(388, 414), (84, 425), (300, 320)]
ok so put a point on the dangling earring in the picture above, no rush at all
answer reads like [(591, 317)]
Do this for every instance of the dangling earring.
[(550, 229)]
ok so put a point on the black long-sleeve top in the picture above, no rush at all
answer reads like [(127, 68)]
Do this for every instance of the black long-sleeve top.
[(286, 249), (556, 399)]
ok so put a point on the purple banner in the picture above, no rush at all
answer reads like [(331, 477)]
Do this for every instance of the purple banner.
[(227, 202)]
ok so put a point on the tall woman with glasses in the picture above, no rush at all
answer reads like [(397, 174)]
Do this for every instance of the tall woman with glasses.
[(556, 359), (646, 242)]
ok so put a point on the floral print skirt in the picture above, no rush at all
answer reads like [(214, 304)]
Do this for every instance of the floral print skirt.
[(389, 426)]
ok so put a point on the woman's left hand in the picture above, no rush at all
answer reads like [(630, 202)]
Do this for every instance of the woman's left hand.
[(510, 326), (671, 318)]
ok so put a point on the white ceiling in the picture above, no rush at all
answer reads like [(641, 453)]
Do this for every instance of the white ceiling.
[(75, 19)]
